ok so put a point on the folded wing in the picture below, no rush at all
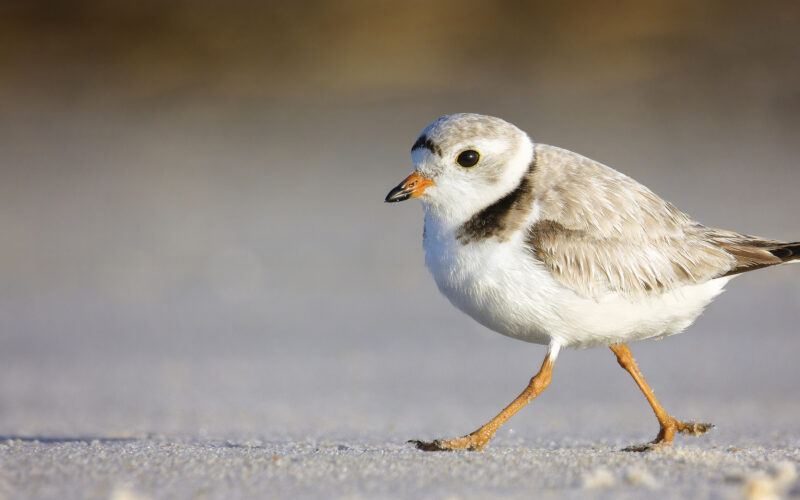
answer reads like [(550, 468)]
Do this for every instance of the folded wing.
[(598, 230)]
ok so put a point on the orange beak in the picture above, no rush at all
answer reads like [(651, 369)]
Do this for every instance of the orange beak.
[(411, 187)]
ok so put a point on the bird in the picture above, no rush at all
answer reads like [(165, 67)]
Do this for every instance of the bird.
[(547, 246)]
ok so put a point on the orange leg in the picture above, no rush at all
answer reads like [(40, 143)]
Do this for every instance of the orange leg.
[(477, 440), (669, 425)]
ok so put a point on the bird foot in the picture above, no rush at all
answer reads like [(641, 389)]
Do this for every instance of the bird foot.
[(646, 447), (470, 442), (665, 436)]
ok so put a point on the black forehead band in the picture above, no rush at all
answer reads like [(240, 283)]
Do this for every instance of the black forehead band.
[(425, 143)]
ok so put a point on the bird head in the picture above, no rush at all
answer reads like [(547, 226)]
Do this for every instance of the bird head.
[(463, 163)]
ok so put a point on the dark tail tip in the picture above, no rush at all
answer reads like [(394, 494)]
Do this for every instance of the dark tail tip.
[(787, 252)]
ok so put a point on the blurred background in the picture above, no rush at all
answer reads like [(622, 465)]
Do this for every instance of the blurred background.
[(194, 239)]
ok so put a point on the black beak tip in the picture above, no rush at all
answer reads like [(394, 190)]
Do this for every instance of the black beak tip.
[(397, 194)]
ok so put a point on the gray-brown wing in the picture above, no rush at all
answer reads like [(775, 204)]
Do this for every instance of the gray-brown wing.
[(599, 230), (592, 265)]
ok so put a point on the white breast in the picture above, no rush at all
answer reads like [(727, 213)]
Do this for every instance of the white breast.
[(502, 286)]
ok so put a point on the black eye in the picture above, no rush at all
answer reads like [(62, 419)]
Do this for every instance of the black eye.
[(468, 158)]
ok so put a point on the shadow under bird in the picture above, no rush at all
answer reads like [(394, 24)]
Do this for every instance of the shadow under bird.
[(544, 245)]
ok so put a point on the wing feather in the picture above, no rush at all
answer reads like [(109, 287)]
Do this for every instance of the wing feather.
[(599, 230)]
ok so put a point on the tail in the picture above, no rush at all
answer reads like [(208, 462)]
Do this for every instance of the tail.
[(754, 253), (788, 252)]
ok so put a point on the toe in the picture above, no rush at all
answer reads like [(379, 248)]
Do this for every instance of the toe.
[(647, 447), (694, 428), (435, 445), (470, 443)]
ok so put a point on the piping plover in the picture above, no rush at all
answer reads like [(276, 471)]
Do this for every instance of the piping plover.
[(544, 245)]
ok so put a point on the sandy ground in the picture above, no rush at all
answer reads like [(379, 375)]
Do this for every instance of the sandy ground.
[(161, 467)]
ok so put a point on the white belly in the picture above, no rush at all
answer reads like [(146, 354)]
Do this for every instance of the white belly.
[(504, 288)]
